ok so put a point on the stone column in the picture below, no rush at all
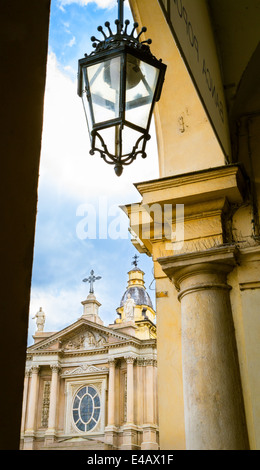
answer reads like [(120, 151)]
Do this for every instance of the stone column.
[(130, 430), (111, 393), (149, 389), (139, 391), (51, 431), (213, 403), (31, 409), (111, 429), (25, 397), (149, 427), (155, 392)]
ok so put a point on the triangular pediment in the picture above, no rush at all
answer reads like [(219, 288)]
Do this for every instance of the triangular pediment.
[(80, 336)]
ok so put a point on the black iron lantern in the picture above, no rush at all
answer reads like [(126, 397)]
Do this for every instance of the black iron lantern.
[(119, 83)]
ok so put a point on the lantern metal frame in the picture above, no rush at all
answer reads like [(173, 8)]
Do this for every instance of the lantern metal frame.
[(118, 44)]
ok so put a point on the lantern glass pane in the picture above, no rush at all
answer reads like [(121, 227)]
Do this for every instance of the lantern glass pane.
[(141, 81), (104, 84)]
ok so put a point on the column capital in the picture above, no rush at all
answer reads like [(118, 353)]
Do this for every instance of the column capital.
[(27, 372), (111, 361), (35, 369), (217, 260), (140, 361), (55, 367), (130, 359), (148, 361)]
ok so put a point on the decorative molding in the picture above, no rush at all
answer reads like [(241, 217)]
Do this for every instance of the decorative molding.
[(45, 404), (84, 369), (209, 285)]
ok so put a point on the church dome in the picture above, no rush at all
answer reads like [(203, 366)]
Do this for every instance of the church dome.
[(139, 294)]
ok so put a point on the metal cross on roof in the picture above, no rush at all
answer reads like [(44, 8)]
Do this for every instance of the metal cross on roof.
[(91, 279), (135, 258)]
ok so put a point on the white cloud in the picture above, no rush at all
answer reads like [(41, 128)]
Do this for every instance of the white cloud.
[(100, 3), (61, 308), (72, 42)]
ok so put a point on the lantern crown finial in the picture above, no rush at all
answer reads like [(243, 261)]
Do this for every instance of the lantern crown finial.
[(121, 36)]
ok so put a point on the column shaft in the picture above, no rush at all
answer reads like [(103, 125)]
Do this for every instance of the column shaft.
[(25, 397), (149, 427), (130, 391), (32, 400), (149, 386), (111, 394), (139, 391), (213, 403), (53, 400)]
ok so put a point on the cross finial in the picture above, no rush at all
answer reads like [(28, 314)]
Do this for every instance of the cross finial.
[(135, 258), (91, 279)]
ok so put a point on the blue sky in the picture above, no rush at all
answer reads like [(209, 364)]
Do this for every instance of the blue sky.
[(71, 180)]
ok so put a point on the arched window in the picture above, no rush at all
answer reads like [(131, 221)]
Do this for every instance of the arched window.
[(86, 408)]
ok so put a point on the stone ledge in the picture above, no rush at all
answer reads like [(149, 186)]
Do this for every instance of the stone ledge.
[(225, 181)]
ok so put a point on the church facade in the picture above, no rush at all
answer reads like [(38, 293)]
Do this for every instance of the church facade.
[(91, 386)]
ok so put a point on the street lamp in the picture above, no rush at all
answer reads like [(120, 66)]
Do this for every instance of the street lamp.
[(119, 83)]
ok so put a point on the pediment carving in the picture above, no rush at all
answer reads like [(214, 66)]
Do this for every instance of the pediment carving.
[(85, 340)]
